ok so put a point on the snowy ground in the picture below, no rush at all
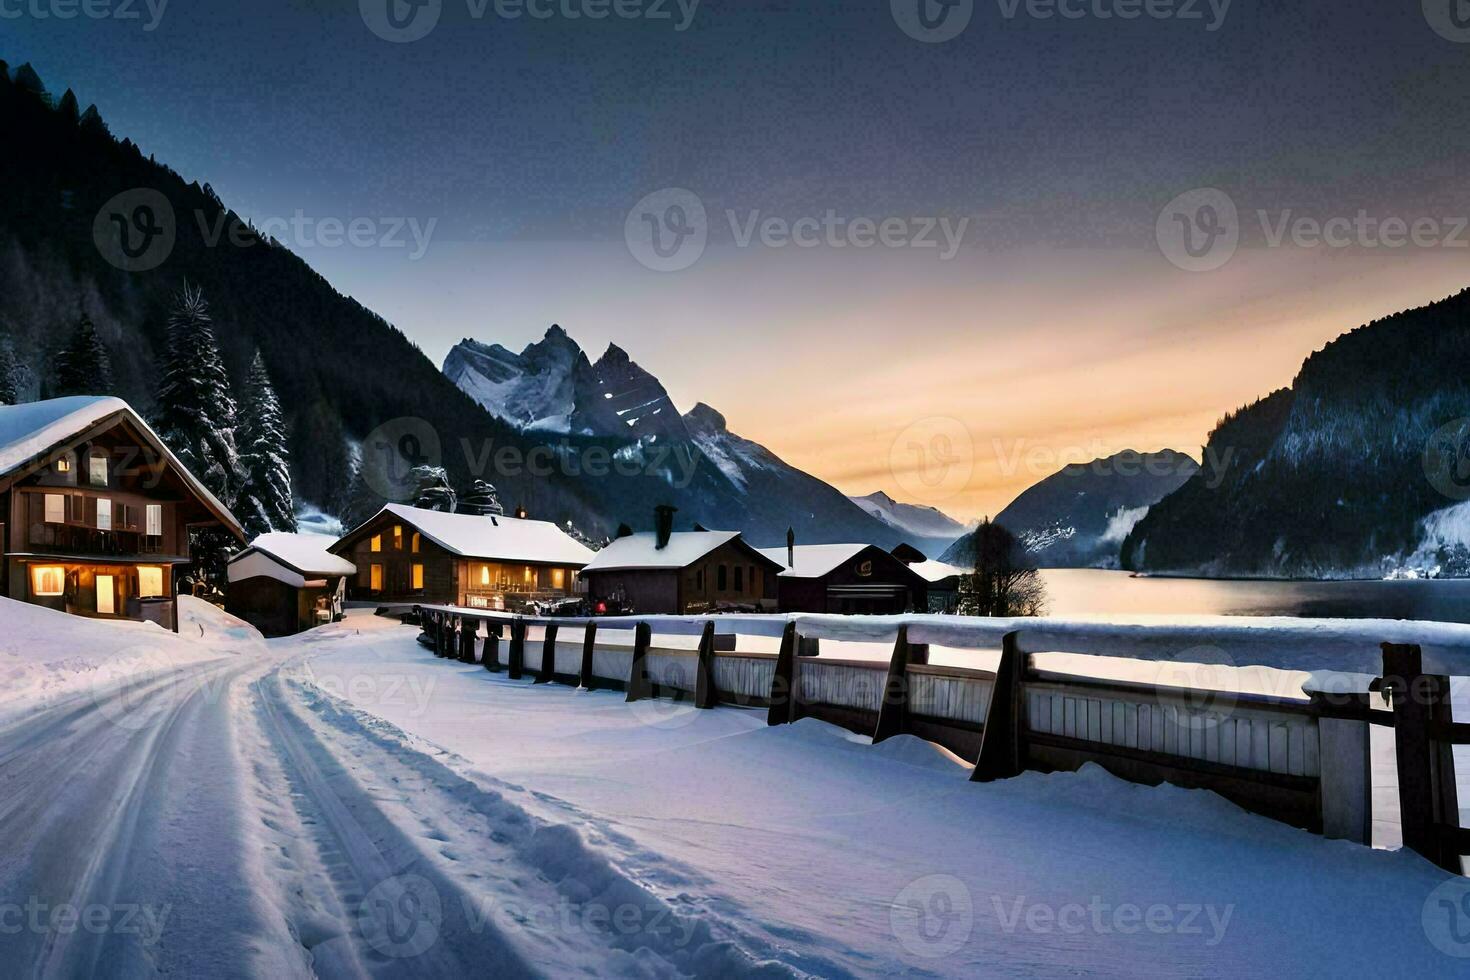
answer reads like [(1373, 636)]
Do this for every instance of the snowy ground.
[(344, 804)]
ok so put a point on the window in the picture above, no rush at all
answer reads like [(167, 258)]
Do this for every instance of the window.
[(558, 578), (720, 578), (699, 580), (739, 578), (750, 577), (154, 518), (377, 543), (104, 514), (415, 542), (484, 574), (55, 508), (397, 537), (418, 577), (63, 465), (97, 470), (150, 581), (106, 595), (375, 581), (48, 580)]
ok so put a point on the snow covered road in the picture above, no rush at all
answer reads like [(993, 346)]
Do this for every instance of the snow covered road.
[(342, 804)]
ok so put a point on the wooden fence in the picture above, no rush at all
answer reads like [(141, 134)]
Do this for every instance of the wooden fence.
[(1303, 760)]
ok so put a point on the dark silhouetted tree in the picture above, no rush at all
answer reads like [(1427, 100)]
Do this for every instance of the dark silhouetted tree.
[(480, 499), (433, 490), (1004, 583), (9, 380), (83, 366)]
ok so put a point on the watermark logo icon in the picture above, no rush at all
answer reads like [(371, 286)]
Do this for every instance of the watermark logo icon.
[(136, 230), (401, 917), (668, 230), (933, 459), (393, 450), (401, 21), (1199, 230), (1450, 19), (933, 916), (1197, 690), (1446, 918), (1447, 459), (142, 692), (932, 21)]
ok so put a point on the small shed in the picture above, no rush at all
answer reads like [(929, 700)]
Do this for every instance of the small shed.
[(285, 583), (847, 578)]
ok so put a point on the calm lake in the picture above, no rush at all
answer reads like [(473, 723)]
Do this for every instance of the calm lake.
[(1077, 591)]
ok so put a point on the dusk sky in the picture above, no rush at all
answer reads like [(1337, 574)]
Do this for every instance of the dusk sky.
[(1064, 323)]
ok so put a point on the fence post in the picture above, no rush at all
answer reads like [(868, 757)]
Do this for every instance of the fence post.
[(638, 674), (467, 630), (491, 657), (446, 637), (1345, 760), (589, 648), (1002, 741), (894, 707), (548, 656), (517, 648), (1426, 771), (706, 695), (809, 646), (783, 680)]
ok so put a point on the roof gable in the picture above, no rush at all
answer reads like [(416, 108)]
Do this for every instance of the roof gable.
[(640, 552), (490, 539)]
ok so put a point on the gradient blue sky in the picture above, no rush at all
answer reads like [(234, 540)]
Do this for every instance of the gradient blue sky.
[(1059, 329)]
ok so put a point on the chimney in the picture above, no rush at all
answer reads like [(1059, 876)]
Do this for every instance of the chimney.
[(790, 548), (663, 523)]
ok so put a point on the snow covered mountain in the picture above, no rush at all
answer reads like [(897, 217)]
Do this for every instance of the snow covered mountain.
[(1079, 516), (928, 527), (730, 482)]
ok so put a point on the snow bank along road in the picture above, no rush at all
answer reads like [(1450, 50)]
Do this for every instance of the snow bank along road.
[(343, 804)]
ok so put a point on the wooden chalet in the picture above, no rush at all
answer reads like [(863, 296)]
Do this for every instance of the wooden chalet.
[(408, 555), (96, 510), (286, 583), (847, 578), (680, 572), (943, 579)]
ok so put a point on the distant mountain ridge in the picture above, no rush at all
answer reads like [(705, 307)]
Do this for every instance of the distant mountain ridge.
[(1079, 516), (929, 525)]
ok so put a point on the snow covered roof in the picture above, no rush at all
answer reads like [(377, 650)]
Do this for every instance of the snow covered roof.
[(640, 552), (34, 429), (304, 553), (500, 539), (936, 571), (814, 560)]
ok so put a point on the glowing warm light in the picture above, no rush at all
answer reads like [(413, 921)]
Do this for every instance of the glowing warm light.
[(48, 580), (150, 581)]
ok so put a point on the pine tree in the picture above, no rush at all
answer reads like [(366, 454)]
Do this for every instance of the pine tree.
[(265, 502), (434, 491), (480, 499), (83, 366), (362, 500), (9, 393)]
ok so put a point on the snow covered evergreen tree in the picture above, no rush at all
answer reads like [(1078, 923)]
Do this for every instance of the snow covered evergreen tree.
[(83, 366), (9, 387), (480, 499), (265, 502), (196, 418), (434, 491)]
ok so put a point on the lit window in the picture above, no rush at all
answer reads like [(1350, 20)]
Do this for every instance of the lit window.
[(377, 542), (155, 520), (397, 537), (415, 542), (530, 575), (48, 580), (63, 465), (150, 581), (484, 574), (418, 577), (104, 514), (106, 595), (97, 470), (558, 578), (55, 508), (376, 581)]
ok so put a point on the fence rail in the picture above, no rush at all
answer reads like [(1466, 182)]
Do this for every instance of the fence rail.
[(1301, 760)]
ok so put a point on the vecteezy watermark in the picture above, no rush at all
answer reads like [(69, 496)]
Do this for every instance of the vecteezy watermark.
[(137, 231), (42, 918), (1200, 230), (125, 10), (932, 21), (566, 917), (1015, 457), (1210, 13), (404, 21), (1103, 918), (377, 690), (933, 459), (1446, 918), (668, 230), (1450, 19), (401, 917), (933, 916), (1447, 459)]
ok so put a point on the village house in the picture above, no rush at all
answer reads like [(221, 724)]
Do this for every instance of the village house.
[(286, 583), (943, 579), (409, 555), (96, 511), (846, 578), (676, 572)]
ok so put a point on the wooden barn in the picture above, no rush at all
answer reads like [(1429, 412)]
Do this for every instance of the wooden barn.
[(677, 572), (847, 578), (943, 579), (286, 583), (408, 555), (95, 512)]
